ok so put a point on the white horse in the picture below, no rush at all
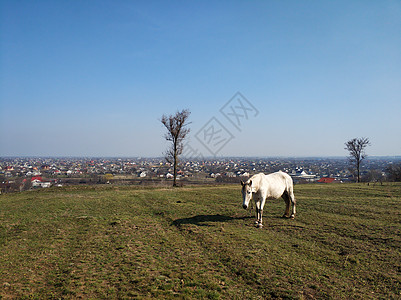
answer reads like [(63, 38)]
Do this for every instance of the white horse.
[(273, 186)]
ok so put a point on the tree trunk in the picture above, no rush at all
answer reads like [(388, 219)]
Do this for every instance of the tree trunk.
[(358, 179), (175, 172), (175, 165)]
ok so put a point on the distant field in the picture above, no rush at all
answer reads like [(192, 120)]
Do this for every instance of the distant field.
[(198, 242)]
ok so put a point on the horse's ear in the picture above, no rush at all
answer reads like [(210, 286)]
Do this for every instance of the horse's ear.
[(242, 183), (250, 182)]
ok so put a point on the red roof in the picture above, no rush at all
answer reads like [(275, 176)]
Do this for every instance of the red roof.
[(326, 180), (36, 178)]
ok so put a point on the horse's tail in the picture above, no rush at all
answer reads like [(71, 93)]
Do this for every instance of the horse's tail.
[(290, 189)]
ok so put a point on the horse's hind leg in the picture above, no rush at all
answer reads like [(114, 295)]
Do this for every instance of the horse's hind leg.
[(294, 202), (286, 198)]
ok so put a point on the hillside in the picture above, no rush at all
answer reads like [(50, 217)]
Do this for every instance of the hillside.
[(124, 242)]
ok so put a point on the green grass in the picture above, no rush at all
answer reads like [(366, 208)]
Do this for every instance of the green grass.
[(121, 242)]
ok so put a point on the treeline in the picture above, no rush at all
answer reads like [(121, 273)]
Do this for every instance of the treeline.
[(394, 172), (391, 174)]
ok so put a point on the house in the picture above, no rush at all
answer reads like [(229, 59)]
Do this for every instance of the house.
[(302, 175), (36, 178), (326, 180), (37, 182), (56, 172)]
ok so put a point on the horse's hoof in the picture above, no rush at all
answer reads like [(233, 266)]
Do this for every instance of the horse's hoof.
[(292, 217), (259, 225), (285, 217), (256, 222)]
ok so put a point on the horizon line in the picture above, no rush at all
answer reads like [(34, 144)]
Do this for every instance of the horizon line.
[(204, 158)]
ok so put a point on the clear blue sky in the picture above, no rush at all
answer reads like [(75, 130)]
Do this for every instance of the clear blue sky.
[(92, 78)]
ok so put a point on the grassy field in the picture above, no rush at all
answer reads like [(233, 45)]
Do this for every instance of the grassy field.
[(121, 242)]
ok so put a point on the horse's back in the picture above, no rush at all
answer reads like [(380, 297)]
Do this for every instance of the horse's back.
[(279, 177), (285, 178), (277, 183)]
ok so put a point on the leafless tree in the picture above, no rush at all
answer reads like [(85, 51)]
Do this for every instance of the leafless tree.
[(177, 130), (356, 148)]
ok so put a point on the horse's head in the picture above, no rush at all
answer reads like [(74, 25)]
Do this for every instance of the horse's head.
[(246, 193)]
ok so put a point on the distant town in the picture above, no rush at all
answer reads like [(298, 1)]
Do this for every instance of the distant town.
[(20, 174)]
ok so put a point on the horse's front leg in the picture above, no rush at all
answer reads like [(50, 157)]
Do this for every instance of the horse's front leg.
[(260, 218), (257, 204)]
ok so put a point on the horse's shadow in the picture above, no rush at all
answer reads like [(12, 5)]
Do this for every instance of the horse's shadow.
[(205, 220)]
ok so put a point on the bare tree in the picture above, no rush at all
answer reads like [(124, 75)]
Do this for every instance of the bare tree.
[(176, 133), (356, 148)]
